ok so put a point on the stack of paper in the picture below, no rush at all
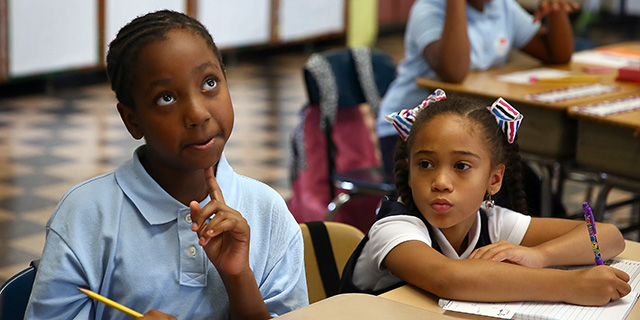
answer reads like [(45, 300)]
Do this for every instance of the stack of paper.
[(617, 310)]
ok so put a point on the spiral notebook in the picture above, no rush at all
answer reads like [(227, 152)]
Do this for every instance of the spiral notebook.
[(617, 310)]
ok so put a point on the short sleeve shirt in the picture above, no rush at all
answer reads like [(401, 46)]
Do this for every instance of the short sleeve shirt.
[(389, 232), (502, 25), (122, 236)]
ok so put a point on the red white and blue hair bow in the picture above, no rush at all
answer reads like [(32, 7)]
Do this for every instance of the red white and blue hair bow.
[(508, 118), (403, 119)]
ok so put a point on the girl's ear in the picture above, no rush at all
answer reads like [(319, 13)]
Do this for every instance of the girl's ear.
[(130, 120), (495, 179)]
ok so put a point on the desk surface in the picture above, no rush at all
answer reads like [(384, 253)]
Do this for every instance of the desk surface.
[(485, 83), (418, 298), (625, 119), (361, 306)]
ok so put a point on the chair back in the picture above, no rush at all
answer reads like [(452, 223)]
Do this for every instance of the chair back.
[(347, 77), (15, 292), (336, 135), (327, 247)]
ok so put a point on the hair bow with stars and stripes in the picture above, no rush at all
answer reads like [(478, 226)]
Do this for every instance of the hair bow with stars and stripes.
[(508, 118), (403, 119)]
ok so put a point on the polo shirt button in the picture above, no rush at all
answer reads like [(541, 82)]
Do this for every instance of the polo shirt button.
[(191, 251), (187, 218)]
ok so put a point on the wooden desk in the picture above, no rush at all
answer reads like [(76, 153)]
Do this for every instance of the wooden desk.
[(419, 298), (609, 143), (546, 130), (361, 306)]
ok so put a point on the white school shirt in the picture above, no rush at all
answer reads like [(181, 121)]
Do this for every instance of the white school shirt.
[(386, 233), (122, 236), (502, 25)]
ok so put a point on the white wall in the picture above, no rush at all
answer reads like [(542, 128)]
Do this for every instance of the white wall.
[(300, 19), (237, 23), (48, 36), (119, 12)]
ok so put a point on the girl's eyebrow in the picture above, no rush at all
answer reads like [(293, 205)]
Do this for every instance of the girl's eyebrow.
[(458, 152), (200, 68), (206, 65), (158, 83), (466, 153), (424, 152)]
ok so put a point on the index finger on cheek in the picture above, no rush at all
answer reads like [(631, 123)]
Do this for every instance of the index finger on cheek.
[(214, 189)]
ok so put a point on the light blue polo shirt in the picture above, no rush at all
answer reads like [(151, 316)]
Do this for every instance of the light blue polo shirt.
[(122, 236), (502, 24)]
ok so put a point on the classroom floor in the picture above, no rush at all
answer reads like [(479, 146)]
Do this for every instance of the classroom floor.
[(52, 140)]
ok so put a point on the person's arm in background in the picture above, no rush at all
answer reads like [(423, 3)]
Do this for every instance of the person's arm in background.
[(450, 56), (554, 41)]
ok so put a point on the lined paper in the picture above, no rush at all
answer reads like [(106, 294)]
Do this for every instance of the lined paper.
[(612, 107), (529, 310), (572, 93)]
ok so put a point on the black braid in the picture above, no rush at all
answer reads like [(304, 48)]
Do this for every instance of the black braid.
[(513, 178), (501, 151), (138, 33), (401, 174)]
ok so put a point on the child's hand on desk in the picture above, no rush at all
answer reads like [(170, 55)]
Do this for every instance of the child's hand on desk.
[(157, 315), (548, 6), (504, 251), (596, 286), (226, 237)]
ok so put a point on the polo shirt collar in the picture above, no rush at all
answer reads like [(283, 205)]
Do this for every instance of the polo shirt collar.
[(447, 248), (491, 10), (148, 196)]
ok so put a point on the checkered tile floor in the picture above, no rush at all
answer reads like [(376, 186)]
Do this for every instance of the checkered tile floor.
[(48, 143)]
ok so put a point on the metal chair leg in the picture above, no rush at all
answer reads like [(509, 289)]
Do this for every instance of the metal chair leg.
[(601, 202), (546, 192), (335, 204)]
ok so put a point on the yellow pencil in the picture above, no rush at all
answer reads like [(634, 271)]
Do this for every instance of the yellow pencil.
[(586, 78), (110, 303)]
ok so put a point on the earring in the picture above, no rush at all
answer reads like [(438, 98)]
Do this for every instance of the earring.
[(489, 203)]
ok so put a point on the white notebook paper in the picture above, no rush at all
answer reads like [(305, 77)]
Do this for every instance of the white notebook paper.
[(607, 108), (617, 310), (575, 92)]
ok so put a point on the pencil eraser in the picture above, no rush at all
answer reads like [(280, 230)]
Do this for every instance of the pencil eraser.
[(596, 69), (533, 79)]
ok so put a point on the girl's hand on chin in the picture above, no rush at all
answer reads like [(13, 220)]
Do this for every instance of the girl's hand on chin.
[(225, 238)]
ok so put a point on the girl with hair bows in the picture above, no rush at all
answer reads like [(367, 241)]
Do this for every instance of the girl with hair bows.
[(445, 235)]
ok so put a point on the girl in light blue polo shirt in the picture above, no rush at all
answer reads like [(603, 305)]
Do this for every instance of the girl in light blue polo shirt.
[(141, 235)]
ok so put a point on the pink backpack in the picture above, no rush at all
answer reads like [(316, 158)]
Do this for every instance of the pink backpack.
[(336, 134)]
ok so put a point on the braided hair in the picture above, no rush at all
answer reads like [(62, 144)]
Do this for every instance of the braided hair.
[(502, 152), (133, 37)]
